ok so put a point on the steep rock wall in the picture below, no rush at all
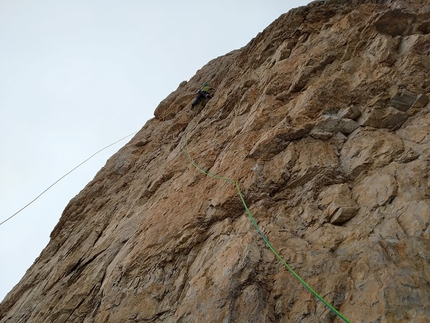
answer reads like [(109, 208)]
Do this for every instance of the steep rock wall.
[(323, 118)]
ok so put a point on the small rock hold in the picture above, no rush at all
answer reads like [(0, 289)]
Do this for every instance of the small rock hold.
[(395, 23), (340, 206), (321, 135), (379, 101), (351, 112), (141, 143), (343, 214), (249, 83), (420, 102), (347, 126), (389, 118), (403, 101)]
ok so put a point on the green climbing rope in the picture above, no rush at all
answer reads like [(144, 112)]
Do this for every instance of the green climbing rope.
[(236, 183)]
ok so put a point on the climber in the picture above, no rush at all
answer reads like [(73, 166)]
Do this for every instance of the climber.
[(203, 92)]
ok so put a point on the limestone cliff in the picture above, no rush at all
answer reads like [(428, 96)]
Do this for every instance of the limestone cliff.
[(324, 120)]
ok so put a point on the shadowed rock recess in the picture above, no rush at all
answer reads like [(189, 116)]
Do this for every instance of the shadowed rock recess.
[(324, 120)]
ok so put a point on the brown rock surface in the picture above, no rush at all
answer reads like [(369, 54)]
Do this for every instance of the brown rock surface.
[(323, 118)]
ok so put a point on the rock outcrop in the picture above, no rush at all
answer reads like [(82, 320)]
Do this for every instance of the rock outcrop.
[(324, 120)]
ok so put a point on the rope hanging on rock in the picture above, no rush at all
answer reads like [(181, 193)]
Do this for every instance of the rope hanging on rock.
[(184, 148)]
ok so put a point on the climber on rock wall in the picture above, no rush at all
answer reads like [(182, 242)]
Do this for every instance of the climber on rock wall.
[(203, 92)]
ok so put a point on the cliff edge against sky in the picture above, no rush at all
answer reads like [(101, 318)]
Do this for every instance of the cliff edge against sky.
[(324, 121)]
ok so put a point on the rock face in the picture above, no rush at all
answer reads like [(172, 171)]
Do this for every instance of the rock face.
[(324, 120)]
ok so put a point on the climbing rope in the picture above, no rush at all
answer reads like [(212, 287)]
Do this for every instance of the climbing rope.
[(184, 148), (65, 176)]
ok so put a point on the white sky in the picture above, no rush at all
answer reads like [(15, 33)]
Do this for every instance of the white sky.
[(75, 76)]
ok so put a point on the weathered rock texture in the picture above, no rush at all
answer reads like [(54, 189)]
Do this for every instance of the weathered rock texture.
[(324, 120)]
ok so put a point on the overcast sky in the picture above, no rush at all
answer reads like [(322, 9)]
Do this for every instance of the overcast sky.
[(75, 76)]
